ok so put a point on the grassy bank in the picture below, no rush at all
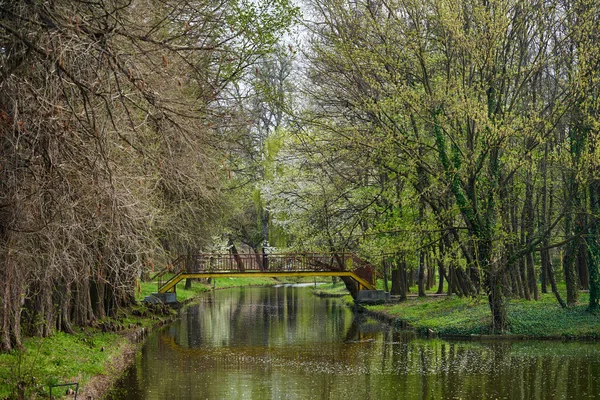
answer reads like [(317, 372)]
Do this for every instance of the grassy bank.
[(58, 359), (448, 316), (452, 315), (91, 352), (331, 290)]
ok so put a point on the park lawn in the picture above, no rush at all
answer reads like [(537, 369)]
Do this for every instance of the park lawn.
[(471, 316), (337, 289), (447, 316), (60, 358), (221, 283), (147, 288)]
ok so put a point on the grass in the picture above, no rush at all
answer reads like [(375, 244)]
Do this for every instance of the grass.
[(147, 288), (337, 289), (545, 318), (471, 316), (221, 283), (446, 315), (66, 358), (466, 316), (60, 358)]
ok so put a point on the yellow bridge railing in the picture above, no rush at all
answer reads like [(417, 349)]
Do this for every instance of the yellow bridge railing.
[(269, 265)]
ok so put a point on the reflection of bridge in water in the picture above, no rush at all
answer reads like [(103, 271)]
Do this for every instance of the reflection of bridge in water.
[(345, 265)]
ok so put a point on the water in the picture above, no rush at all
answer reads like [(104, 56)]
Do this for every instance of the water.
[(284, 343)]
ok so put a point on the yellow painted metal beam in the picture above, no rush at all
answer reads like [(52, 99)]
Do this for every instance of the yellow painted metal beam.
[(170, 285)]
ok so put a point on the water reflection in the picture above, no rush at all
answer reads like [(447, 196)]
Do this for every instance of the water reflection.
[(258, 343)]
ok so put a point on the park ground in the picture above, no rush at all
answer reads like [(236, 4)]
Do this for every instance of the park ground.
[(453, 316)]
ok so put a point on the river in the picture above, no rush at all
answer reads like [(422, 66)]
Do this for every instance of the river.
[(285, 343)]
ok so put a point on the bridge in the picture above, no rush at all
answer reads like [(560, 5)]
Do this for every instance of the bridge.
[(344, 265)]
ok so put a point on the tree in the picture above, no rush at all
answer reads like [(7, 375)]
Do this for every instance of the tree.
[(263, 96), (460, 100), (107, 145)]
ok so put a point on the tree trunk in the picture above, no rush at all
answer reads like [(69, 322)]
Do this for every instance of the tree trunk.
[(544, 271), (258, 258), (430, 271), (351, 285), (449, 278), (496, 299), (65, 306), (527, 235), (516, 279), (593, 244), (265, 258), (532, 276), (12, 284), (421, 273), (493, 286), (571, 229), (399, 281), (83, 306), (441, 269), (236, 255), (550, 274), (569, 271), (5, 345), (524, 280), (582, 260), (396, 283), (97, 298), (385, 266)]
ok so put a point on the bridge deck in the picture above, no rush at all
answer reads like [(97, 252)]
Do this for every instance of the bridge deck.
[(272, 265)]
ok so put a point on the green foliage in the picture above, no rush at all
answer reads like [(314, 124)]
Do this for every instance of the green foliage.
[(416, 133), (236, 282), (60, 358), (261, 22), (465, 316), (337, 289), (448, 315), (545, 318)]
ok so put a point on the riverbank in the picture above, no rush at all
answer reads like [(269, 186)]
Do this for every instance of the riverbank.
[(455, 317), (94, 356)]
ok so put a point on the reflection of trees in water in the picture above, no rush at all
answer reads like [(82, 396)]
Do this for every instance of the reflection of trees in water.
[(338, 352), (285, 314), (365, 328), (440, 369)]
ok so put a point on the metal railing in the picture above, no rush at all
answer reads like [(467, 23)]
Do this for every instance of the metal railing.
[(268, 262), (58, 385), (284, 262)]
